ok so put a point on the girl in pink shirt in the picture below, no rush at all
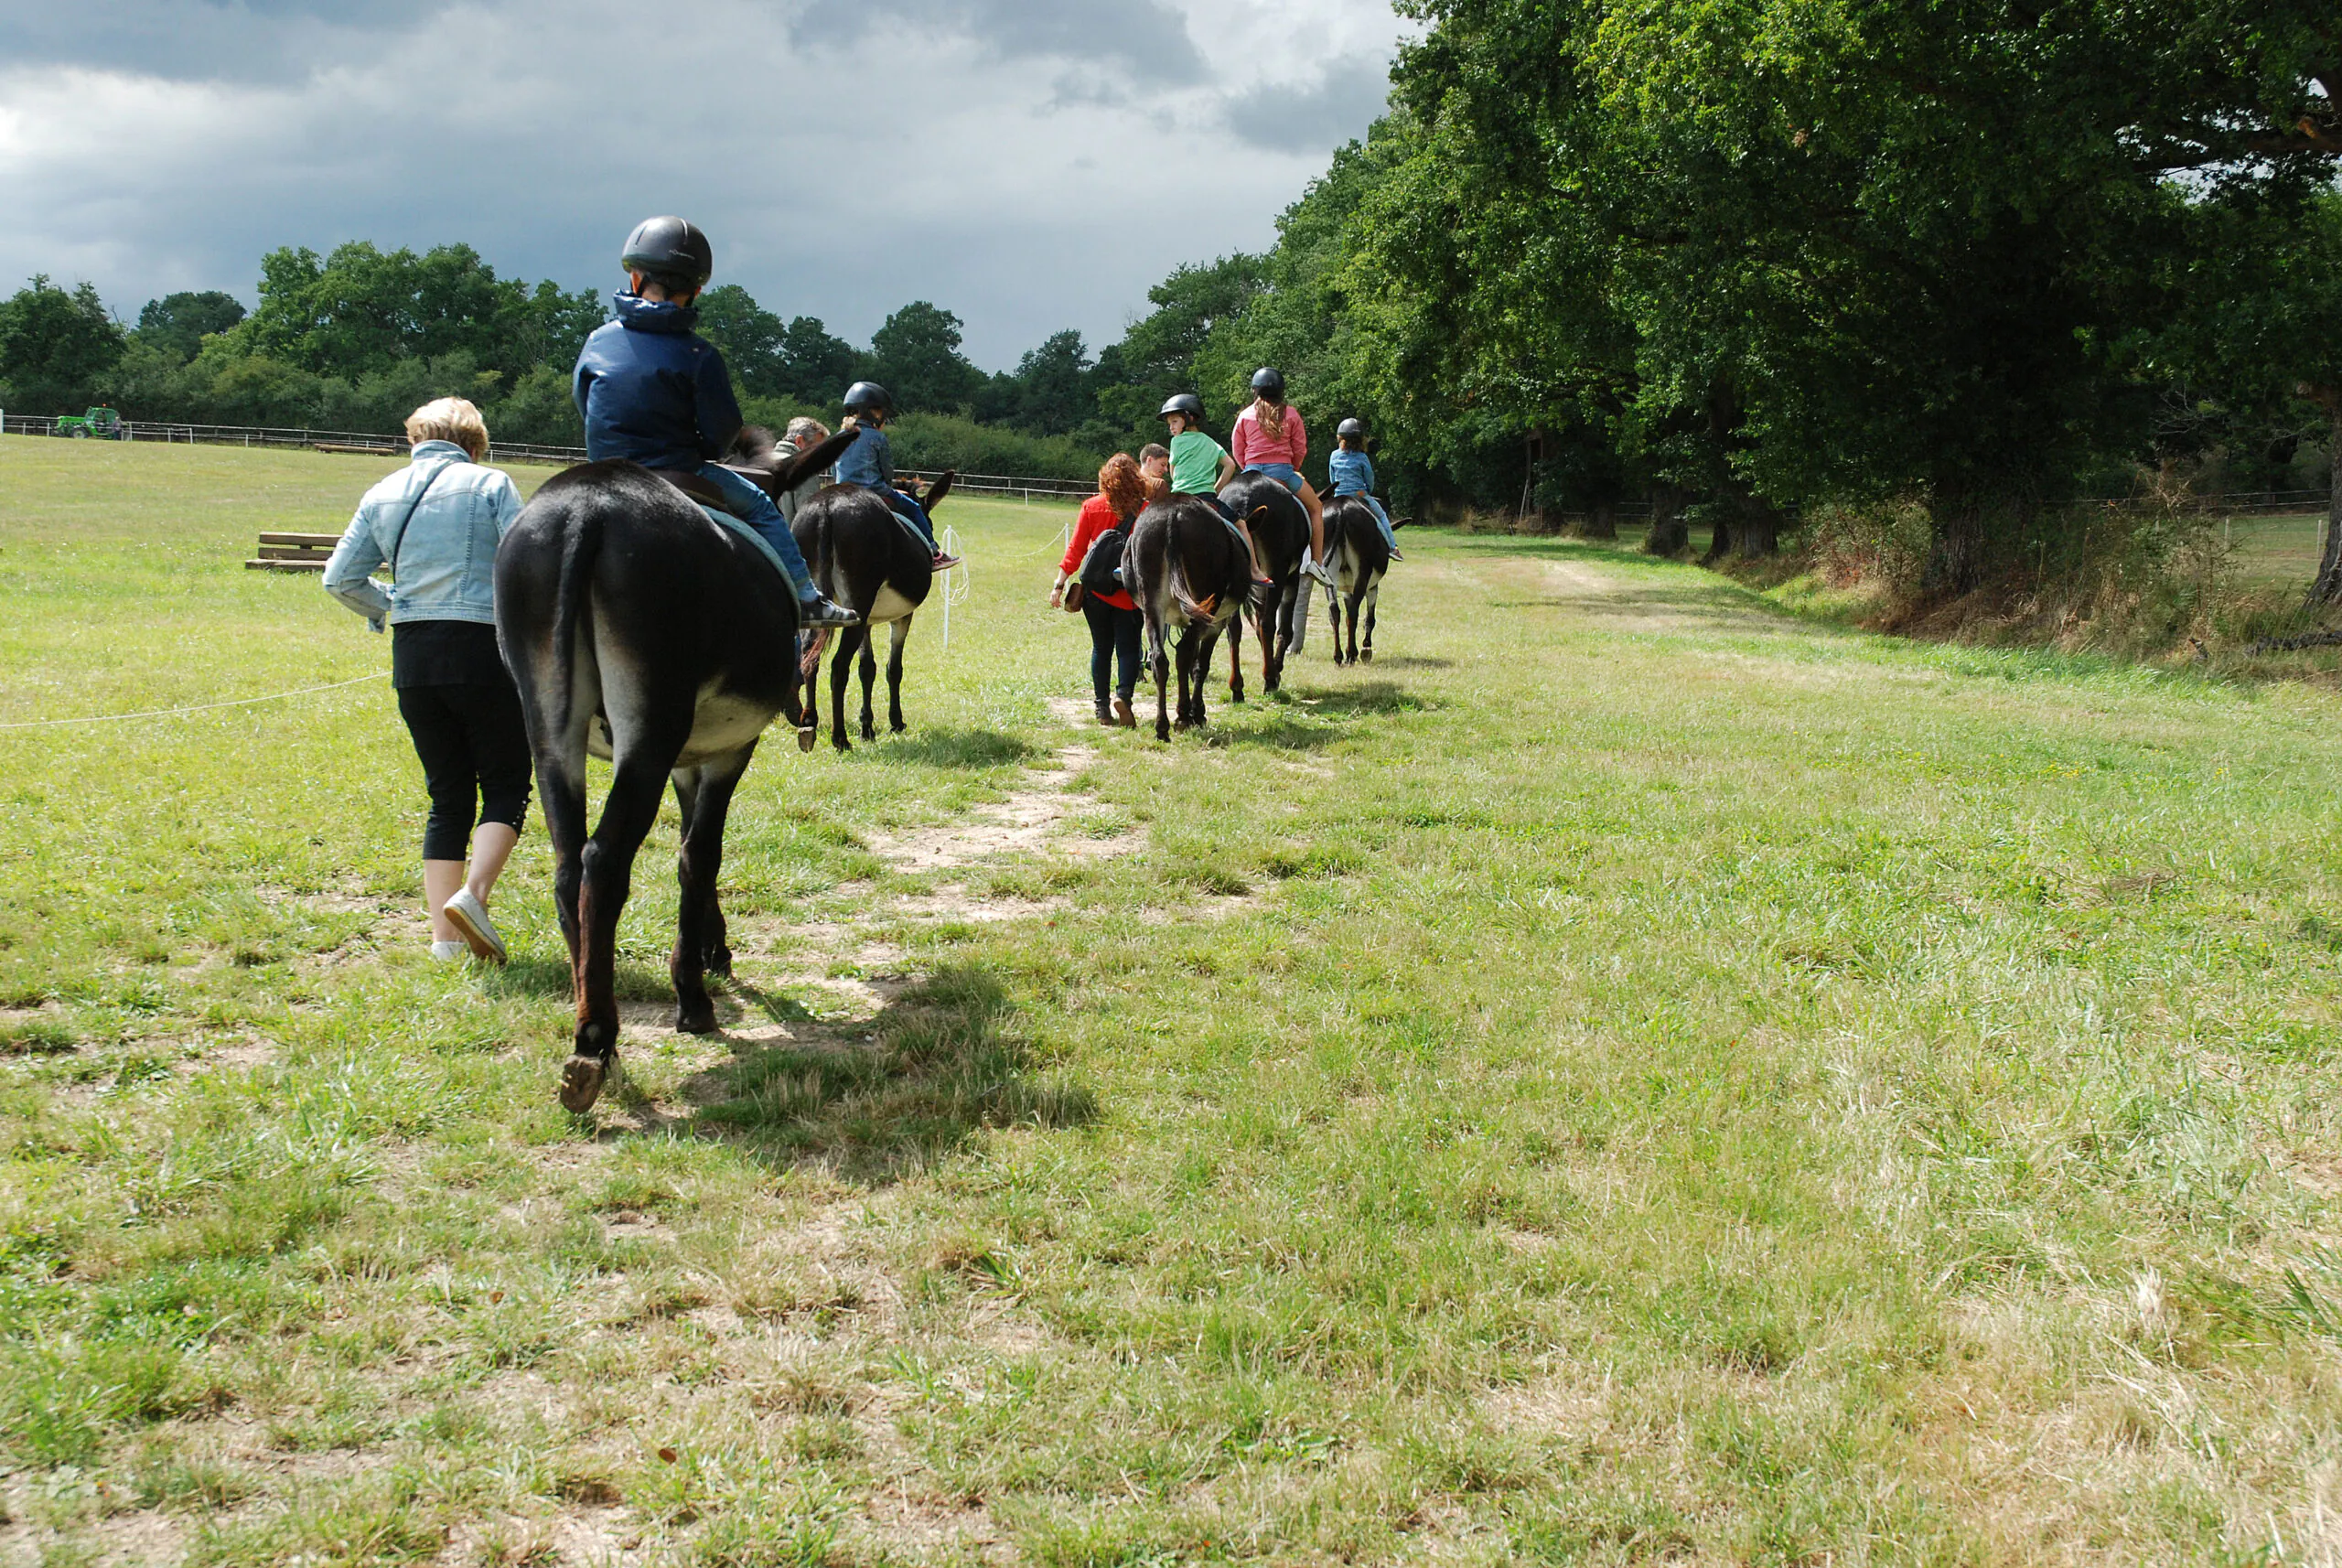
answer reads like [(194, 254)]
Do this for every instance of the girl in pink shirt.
[(1269, 438)]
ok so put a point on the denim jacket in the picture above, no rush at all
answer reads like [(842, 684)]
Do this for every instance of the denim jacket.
[(445, 562), (1352, 473), (869, 461)]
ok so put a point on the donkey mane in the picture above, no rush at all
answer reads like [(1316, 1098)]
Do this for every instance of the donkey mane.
[(753, 445)]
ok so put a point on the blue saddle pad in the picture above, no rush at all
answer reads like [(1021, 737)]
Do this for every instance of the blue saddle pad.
[(725, 520)]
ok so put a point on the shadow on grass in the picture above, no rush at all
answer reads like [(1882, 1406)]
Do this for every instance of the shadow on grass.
[(1412, 661), (1366, 697), (942, 1061), (629, 982), (967, 748)]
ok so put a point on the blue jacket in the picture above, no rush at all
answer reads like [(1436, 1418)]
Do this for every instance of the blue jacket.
[(869, 461), (445, 560), (652, 390), (1352, 473)]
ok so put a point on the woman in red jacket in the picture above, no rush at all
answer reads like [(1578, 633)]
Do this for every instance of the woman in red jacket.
[(1113, 618)]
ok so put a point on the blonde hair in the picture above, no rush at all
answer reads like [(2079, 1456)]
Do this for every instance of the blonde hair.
[(806, 433), (450, 419), (1271, 415)]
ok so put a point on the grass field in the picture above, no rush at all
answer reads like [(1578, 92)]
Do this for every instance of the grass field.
[(1628, 1076)]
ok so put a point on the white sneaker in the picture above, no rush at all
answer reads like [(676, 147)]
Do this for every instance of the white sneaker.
[(448, 953), (1317, 569), (467, 914)]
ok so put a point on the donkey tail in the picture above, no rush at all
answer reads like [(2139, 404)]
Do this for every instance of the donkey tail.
[(1176, 579), (581, 550)]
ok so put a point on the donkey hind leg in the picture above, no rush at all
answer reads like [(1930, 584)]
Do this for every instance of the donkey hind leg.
[(1158, 664), (704, 793), (850, 638), (1195, 669), (1334, 620), (809, 727), (1235, 657), (869, 679), (645, 744), (1373, 592), (895, 676)]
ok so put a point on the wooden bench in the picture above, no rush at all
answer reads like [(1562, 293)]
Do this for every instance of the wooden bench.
[(294, 552)]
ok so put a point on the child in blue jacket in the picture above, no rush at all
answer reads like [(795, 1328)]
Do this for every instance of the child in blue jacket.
[(655, 393), (1351, 472), (870, 461)]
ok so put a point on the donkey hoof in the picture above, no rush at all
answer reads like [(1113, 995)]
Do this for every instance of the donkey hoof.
[(1367, 656), (580, 1082), (695, 1020), (896, 728), (805, 740)]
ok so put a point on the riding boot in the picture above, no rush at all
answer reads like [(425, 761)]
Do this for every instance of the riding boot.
[(1106, 716)]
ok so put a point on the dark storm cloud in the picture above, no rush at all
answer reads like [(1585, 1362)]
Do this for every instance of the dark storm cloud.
[(198, 41), (1341, 105), (1143, 39)]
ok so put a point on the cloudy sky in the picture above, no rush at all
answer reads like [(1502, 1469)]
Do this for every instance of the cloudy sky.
[(1028, 164)]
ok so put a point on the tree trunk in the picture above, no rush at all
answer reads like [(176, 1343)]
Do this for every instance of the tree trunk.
[(1671, 531), (1601, 522), (1760, 530), (1719, 532), (2327, 588), (1956, 551)]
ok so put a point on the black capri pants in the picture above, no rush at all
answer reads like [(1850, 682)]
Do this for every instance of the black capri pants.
[(1114, 635), (461, 707)]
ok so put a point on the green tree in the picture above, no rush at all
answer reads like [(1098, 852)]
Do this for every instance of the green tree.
[(816, 366), (362, 310), (1852, 249), (917, 357), (178, 323), (58, 347), (752, 339)]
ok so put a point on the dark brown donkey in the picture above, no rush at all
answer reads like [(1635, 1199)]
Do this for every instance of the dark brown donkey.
[(640, 630), (1281, 536), (1186, 568), (867, 559)]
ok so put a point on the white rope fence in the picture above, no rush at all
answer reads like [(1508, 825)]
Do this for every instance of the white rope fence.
[(198, 708)]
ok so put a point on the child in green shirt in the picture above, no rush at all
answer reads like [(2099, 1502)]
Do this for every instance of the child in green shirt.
[(1200, 466)]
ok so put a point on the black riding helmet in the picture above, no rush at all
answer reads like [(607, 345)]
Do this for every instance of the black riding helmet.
[(1350, 428), (1269, 383), (1187, 403), (865, 395), (670, 250)]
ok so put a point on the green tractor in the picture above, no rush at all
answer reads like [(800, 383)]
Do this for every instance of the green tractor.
[(102, 422)]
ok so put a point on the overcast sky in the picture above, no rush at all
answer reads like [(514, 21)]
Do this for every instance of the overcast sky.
[(1030, 165)]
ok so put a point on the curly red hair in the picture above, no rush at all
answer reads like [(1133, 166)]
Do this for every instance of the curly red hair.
[(1122, 485)]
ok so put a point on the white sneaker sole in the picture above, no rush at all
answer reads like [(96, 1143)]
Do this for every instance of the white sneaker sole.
[(483, 940)]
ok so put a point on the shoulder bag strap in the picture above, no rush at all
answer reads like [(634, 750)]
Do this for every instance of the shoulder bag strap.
[(400, 537)]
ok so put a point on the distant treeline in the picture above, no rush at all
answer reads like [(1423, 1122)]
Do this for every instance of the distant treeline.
[(357, 340)]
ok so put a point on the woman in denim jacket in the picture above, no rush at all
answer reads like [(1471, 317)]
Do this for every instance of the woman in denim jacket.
[(437, 525)]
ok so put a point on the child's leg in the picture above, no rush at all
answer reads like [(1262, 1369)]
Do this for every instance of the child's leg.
[(911, 512), (1382, 521), (756, 508), (1244, 532), (1316, 509)]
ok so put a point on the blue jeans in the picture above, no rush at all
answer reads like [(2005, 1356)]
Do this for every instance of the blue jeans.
[(1389, 534), (755, 508), (1285, 474)]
